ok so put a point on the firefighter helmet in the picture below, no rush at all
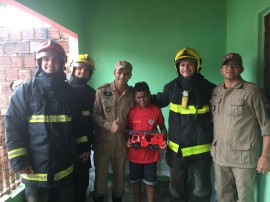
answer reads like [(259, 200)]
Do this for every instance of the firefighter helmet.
[(188, 53), (50, 48), (83, 60)]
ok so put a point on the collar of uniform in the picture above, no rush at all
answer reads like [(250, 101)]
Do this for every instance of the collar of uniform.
[(114, 88), (238, 85)]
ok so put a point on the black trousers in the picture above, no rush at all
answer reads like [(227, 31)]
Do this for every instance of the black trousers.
[(61, 193), (81, 180)]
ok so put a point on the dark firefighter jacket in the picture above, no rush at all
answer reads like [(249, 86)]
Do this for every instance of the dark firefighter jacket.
[(40, 130), (190, 130), (85, 98)]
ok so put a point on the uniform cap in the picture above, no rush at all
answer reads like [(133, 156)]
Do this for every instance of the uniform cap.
[(234, 57), (123, 64)]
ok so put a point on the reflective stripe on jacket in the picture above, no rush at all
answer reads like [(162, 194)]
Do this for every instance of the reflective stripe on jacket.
[(191, 128), (40, 127)]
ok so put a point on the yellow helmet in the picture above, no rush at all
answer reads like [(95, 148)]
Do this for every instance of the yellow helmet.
[(85, 60), (188, 53)]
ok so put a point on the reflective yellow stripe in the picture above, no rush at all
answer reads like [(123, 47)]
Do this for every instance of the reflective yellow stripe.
[(190, 110), (49, 118), (64, 173), (82, 139), (16, 152), (86, 113), (189, 151), (173, 146), (35, 177), (43, 177)]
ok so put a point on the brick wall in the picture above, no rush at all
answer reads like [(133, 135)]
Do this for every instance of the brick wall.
[(17, 49), (8, 179)]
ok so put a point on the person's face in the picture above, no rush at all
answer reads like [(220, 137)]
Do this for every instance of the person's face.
[(187, 68), (82, 72), (142, 98), (50, 64), (122, 76), (231, 70)]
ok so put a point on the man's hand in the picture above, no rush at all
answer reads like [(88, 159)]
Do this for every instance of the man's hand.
[(27, 170), (115, 126), (263, 165), (84, 157)]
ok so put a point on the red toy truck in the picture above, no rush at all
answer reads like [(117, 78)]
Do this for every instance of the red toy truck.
[(152, 139)]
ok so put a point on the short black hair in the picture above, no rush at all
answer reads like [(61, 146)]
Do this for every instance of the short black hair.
[(141, 86)]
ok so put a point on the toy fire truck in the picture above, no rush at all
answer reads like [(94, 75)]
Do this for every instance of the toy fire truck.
[(151, 139)]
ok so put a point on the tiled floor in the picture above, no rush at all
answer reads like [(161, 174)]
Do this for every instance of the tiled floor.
[(161, 190), (161, 193)]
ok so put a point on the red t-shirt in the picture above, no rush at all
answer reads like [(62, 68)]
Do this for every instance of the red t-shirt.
[(144, 119)]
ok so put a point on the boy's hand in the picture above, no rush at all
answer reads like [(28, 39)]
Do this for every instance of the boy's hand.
[(83, 157), (164, 145), (128, 143)]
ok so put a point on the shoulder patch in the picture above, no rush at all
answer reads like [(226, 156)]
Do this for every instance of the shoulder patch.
[(107, 93)]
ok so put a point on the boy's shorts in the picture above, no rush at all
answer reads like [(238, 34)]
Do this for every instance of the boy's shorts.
[(146, 172)]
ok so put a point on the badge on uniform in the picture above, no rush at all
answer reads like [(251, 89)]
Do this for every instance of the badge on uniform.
[(108, 109), (107, 93), (185, 98), (151, 121)]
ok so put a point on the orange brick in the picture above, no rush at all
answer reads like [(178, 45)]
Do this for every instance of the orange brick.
[(64, 35), (11, 74), (29, 61), (5, 61), (24, 74), (10, 48), (23, 47), (64, 44), (3, 101), (5, 89), (27, 34), (16, 61), (53, 33)]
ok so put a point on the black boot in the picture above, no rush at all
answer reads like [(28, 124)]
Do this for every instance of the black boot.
[(97, 198), (116, 199)]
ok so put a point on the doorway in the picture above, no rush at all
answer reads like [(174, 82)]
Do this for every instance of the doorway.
[(267, 55)]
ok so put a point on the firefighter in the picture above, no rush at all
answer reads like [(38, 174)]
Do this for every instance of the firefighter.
[(190, 128), (112, 104), (81, 72), (40, 129)]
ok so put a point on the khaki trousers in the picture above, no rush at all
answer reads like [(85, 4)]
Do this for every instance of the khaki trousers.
[(235, 184), (102, 163)]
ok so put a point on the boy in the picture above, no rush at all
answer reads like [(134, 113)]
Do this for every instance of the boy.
[(142, 161)]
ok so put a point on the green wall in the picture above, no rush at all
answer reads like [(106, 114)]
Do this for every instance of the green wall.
[(245, 35), (149, 34)]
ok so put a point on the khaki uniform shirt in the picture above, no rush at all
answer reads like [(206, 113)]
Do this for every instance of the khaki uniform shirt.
[(108, 107), (239, 113)]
